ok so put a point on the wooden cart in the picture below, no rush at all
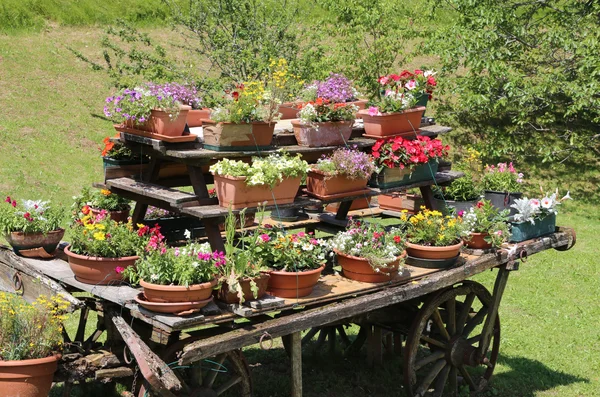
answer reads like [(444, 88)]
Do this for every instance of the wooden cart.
[(446, 327)]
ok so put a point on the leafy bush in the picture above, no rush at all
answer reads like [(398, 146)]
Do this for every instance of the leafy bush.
[(102, 199)]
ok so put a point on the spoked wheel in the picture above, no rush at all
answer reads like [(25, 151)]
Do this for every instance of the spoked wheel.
[(440, 352), (333, 335), (225, 375)]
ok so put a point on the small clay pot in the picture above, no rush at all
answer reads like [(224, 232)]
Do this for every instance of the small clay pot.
[(329, 133), (162, 124), (98, 270), (233, 191), (178, 308), (401, 201), (27, 241), (477, 241), (117, 216), (177, 293), (360, 269), (433, 252), (225, 295), (293, 284), (406, 122), (27, 378), (320, 184), (195, 117)]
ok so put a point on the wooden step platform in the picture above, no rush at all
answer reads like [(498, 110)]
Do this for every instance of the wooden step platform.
[(133, 189)]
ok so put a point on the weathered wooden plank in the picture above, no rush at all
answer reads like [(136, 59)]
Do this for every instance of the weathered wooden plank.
[(111, 373), (172, 196), (266, 302), (75, 367), (296, 358)]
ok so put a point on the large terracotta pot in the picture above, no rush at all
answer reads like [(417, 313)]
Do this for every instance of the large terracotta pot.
[(477, 241), (98, 270), (330, 133), (401, 201), (26, 241), (431, 252), (320, 184), (262, 281), (405, 123), (357, 204), (233, 191), (162, 124), (177, 293), (117, 216), (232, 136), (195, 117), (289, 110), (27, 378), (293, 284), (359, 269)]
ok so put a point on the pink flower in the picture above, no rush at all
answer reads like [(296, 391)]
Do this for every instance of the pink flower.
[(411, 85), (314, 241), (176, 252), (301, 234), (460, 213), (14, 203), (498, 232), (119, 269), (8, 200), (374, 111), (163, 251), (265, 237), (535, 203)]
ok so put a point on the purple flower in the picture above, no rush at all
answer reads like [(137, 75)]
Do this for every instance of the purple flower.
[(336, 88)]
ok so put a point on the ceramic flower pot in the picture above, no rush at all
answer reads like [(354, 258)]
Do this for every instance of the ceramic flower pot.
[(117, 216), (401, 201), (162, 124), (521, 231), (289, 110), (293, 284), (177, 308), (405, 124), (29, 241), (233, 191), (394, 177), (27, 378), (177, 293), (503, 200), (360, 269), (433, 252), (357, 204), (231, 136), (477, 241), (320, 184), (98, 270), (330, 133), (195, 117), (226, 295)]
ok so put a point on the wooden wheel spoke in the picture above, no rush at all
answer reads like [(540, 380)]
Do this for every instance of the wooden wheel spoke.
[(440, 382), (453, 381), (464, 312), (431, 375), (432, 341), (429, 359), (309, 335), (474, 339), (451, 309), (437, 319), (345, 340), (474, 321), (234, 380), (467, 377), (214, 371)]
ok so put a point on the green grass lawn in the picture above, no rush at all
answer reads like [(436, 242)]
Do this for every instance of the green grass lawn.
[(51, 128)]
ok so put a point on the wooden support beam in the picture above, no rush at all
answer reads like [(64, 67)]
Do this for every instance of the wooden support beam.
[(488, 328), (296, 357)]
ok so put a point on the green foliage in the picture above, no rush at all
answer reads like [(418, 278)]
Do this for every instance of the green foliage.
[(462, 189), (528, 76), (292, 252), (29, 216), (250, 102), (322, 111), (501, 178), (485, 218), (102, 199), (100, 236), (432, 228)]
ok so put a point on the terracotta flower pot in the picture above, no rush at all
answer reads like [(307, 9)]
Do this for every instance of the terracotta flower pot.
[(357, 204), (195, 117), (98, 270), (117, 216), (27, 378), (289, 110), (405, 123), (177, 293), (359, 269), (401, 201), (432, 252), (321, 184), (477, 241), (293, 284), (177, 308), (262, 281), (330, 133), (234, 191), (161, 123), (232, 136), (26, 241), (361, 104)]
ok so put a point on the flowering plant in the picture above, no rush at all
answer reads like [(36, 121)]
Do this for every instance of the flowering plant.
[(136, 104), (432, 228), (351, 163), (401, 153), (268, 170), (157, 213), (370, 241), (100, 236), (30, 330), (530, 210), (184, 94), (116, 150), (102, 199), (467, 187), (29, 216), (502, 178), (249, 102), (402, 91), (322, 110), (336, 88), (485, 218)]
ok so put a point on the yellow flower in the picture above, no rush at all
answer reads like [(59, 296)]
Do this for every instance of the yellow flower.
[(105, 192), (100, 226), (414, 220), (100, 236)]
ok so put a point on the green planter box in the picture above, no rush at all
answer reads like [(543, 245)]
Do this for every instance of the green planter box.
[(522, 231), (394, 177)]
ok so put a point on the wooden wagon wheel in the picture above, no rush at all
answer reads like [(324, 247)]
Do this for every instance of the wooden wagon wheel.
[(227, 374), (440, 351), (331, 334)]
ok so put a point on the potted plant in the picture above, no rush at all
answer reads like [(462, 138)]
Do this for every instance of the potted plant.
[(502, 185), (323, 123), (395, 111), (149, 107), (29, 225), (115, 153), (368, 253), (401, 161), (535, 217), (186, 94), (87, 203), (31, 336), (433, 236), (274, 179), (401, 202), (101, 249), (246, 120), (487, 226), (336, 88), (343, 173)]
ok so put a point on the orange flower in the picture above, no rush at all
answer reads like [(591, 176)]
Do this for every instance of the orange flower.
[(85, 209), (105, 192)]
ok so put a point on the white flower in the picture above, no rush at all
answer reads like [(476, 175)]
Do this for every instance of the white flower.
[(307, 247), (567, 196), (428, 73), (154, 277), (187, 234), (546, 202)]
